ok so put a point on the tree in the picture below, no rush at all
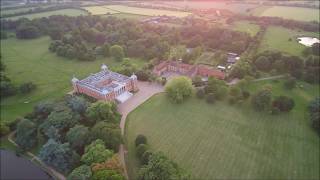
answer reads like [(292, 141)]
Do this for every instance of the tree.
[(263, 63), (59, 156), (78, 137), (140, 139), (235, 92), (27, 32), (109, 133), (103, 111), (261, 100), (26, 133), (140, 149), (80, 173), (106, 50), (106, 174), (197, 81), (113, 163), (43, 109), (179, 88), (283, 103), (96, 152), (160, 167), (61, 119), (27, 87), (145, 157), (7, 88), (116, 52), (77, 104), (314, 113)]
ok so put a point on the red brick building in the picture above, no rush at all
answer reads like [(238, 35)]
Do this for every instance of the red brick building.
[(187, 70), (106, 85)]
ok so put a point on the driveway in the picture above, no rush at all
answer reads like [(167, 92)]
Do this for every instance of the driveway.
[(146, 90)]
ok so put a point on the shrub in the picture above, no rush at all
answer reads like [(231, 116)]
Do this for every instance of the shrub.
[(200, 93), (27, 87), (245, 94), (140, 139), (210, 98), (4, 129), (145, 157), (262, 99), (80, 173), (232, 100), (142, 75), (142, 148), (283, 103), (290, 83), (275, 110)]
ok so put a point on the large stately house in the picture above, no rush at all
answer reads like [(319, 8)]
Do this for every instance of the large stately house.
[(106, 85), (187, 70)]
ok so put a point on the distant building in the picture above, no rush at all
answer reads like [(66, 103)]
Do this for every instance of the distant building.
[(106, 85), (232, 58), (187, 70)]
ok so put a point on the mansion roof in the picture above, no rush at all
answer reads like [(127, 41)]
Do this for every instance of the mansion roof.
[(104, 81)]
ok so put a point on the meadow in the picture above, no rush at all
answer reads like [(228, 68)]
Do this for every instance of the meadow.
[(139, 11), (99, 10), (221, 141), (295, 13), (67, 12), (30, 60), (246, 26), (233, 7), (278, 38)]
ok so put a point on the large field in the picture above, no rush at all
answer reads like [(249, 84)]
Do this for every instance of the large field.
[(296, 13), (99, 10), (277, 38), (234, 7), (135, 10), (30, 60), (67, 12), (220, 141), (246, 26)]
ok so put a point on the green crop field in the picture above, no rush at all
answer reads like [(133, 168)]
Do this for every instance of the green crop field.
[(295, 13), (277, 38), (146, 11), (99, 10), (245, 26), (221, 141), (67, 12), (30, 60)]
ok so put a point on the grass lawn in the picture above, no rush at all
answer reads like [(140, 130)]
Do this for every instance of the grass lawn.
[(220, 141), (246, 26), (207, 58), (295, 13), (67, 12), (146, 11), (99, 10), (30, 60), (128, 16), (277, 38)]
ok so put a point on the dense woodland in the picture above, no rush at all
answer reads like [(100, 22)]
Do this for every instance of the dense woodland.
[(85, 34)]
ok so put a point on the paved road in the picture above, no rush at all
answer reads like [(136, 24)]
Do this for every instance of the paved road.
[(146, 90)]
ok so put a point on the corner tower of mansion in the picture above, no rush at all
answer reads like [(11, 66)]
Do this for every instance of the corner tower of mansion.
[(106, 85)]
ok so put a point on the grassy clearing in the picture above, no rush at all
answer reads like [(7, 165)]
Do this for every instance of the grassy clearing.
[(295, 13), (99, 10), (234, 7), (128, 16), (66, 12), (277, 38), (246, 26), (146, 11), (207, 58), (13, 11), (230, 142), (30, 60)]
